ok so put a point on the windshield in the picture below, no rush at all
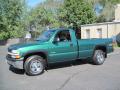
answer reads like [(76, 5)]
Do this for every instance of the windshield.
[(46, 35)]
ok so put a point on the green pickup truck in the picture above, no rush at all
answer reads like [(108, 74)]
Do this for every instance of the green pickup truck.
[(56, 45)]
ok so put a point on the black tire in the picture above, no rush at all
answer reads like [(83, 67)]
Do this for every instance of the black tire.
[(98, 57), (34, 65)]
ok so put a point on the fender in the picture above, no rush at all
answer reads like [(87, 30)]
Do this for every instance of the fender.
[(36, 51)]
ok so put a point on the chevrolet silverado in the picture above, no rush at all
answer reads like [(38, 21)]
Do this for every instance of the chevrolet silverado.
[(56, 45)]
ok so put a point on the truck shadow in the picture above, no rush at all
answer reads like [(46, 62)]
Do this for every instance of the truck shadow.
[(16, 71), (67, 64), (53, 66)]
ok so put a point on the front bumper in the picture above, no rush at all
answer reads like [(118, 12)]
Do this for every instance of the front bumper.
[(17, 63)]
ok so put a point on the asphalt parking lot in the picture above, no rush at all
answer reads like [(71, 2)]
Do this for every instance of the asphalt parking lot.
[(69, 76)]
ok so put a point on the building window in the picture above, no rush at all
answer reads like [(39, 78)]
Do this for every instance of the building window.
[(88, 33), (99, 31)]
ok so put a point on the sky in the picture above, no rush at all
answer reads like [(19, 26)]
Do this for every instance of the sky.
[(98, 8), (33, 3)]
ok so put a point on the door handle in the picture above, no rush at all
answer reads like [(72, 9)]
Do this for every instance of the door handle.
[(71, 45)]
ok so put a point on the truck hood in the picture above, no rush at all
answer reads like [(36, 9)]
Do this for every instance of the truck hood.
[(22, 45)]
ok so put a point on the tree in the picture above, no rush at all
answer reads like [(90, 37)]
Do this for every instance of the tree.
[(107, 12), (11, 18), (45, 14), (77, 12), (40, 17)]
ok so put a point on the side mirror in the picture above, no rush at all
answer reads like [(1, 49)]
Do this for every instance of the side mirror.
[(56, 40)]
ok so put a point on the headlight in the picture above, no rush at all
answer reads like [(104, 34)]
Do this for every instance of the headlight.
[(15, 54)]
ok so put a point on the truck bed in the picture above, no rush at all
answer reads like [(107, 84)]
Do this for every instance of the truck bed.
[(86, 46)]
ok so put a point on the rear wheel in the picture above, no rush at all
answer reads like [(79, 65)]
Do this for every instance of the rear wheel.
[(98, 57), (34, 65)]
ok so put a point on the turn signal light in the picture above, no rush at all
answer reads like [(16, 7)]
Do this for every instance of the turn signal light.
[(17, 56)]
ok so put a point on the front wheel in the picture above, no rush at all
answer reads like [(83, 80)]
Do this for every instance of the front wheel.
[(34, 65), (98, 57)]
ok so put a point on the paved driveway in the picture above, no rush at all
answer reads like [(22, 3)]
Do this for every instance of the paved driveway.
[(71, 76)]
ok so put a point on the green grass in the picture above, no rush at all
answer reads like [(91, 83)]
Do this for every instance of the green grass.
[(116, 45)]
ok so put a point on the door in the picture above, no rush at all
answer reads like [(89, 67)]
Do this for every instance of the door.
[(63, 49)]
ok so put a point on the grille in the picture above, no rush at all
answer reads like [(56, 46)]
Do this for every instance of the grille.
[(9, 56)]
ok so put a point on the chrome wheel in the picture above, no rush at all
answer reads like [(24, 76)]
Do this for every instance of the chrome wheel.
[(36, 67), (100, 57)]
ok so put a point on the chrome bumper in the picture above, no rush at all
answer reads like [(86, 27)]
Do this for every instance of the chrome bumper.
[(15, 63)]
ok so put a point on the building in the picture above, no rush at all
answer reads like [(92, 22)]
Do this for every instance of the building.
[(102, 30)]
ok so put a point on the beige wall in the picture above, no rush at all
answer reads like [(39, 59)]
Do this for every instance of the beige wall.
[(117, 29), (108, 29)]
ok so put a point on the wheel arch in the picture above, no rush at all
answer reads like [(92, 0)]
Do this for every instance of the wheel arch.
[(40, 53), (101, 47)]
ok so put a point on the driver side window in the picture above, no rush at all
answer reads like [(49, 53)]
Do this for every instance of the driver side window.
[(63, 36)]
